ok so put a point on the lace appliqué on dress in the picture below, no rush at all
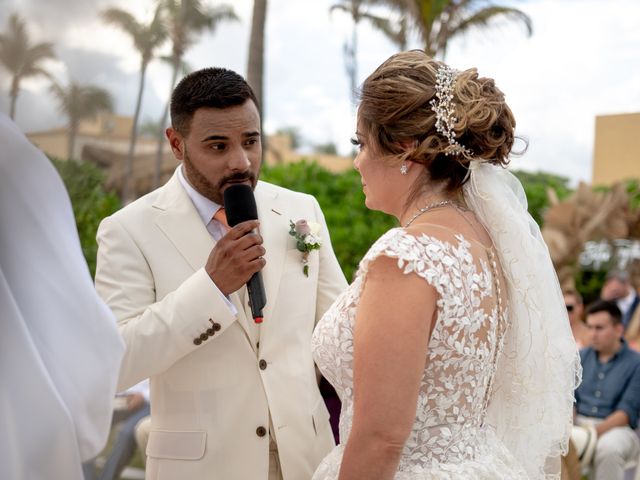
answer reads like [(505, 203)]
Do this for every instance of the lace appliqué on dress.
[(449, 438)]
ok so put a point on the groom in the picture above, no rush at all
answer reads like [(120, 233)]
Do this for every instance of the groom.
[(230, 398)]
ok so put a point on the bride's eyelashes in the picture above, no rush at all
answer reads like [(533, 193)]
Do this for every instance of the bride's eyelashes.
[(357, 143)]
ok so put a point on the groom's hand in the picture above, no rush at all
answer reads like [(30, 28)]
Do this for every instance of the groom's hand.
[(236, 257)]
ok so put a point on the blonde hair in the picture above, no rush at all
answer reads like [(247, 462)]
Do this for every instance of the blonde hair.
[(395, 111)]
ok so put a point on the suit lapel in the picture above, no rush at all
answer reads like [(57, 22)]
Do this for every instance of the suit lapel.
[(274, 228), (183, 226)]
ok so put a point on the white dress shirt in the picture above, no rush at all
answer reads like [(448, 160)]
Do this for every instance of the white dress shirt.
[(206, 210)]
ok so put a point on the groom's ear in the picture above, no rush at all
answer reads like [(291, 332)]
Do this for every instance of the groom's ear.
[(177, 142)]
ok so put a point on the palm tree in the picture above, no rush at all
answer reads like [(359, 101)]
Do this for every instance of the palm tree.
[(438, 21), (146, 38), (358, 10), (80, 102), (21, 58), (255, 67), (185, 20)]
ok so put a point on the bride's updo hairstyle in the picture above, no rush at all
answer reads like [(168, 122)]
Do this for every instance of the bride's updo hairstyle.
[(397, 114)]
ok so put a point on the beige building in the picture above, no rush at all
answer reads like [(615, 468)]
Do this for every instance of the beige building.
[(279, 151), (106, 130), (616, 153)]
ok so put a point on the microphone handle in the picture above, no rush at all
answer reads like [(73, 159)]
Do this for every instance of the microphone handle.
[(257, 296)]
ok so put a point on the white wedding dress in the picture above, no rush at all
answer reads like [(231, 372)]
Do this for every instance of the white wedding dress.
[(450, 438)]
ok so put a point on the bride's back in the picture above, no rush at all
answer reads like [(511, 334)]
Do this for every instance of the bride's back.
[(463, 346)]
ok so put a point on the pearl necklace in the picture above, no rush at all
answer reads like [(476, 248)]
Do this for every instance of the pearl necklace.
[(426, 208)]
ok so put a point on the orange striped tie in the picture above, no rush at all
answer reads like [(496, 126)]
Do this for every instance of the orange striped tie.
[(221, 216)]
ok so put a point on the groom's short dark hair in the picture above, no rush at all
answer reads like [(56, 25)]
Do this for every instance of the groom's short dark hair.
[(209, 87)]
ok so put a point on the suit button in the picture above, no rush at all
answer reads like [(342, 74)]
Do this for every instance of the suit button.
[(216, 326), (197, 341), (261, 431), (204, 336), (262, 364), (210, 332)]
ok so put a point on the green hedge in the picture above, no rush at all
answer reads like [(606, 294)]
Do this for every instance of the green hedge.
[(352, 226), (89, 200)]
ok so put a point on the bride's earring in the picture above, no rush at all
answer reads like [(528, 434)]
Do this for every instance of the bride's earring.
[(404, 169)]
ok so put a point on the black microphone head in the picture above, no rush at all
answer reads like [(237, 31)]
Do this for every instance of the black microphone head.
[(239, 204)]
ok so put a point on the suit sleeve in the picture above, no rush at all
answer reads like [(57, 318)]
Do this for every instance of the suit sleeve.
[(331, 281), (157, 333)]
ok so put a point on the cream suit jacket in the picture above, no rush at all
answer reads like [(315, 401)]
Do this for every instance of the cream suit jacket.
[(210, 403)]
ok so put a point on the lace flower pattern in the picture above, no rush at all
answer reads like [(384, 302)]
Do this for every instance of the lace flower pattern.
[(449, 438)]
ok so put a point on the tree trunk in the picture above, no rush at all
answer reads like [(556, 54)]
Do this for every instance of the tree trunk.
[(255, 67), (73, 131), (126, 187), (13, 94), (161, 128)]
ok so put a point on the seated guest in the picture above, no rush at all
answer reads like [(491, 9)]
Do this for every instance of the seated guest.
[(131, 407), (143, 427), (618, 287), (609, 397), (632, 332), (136, 408), (575, 310), (632, 329)]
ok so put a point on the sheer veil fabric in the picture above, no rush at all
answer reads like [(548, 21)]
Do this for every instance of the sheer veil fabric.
[(60, 350), (539, 368)]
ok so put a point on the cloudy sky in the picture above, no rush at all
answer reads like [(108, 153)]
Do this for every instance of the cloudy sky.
[(583, 60)]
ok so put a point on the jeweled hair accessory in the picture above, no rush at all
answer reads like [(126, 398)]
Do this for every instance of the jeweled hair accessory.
[(444, 108)]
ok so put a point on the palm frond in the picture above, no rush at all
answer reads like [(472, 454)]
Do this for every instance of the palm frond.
[(18, 29), (187, 18), (339, 6), (18, 54), (385, 25), (79, 102), (122, 19), (39, 52), (484, 17)]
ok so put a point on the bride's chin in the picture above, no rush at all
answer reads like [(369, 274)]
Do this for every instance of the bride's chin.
[(367, 203)]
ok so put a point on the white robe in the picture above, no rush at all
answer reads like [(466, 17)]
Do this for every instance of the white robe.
[(59, 347)]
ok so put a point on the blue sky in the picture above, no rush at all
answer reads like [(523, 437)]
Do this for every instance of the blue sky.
[(583, 60)]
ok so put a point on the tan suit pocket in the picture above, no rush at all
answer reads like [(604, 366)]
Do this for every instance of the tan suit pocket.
[(176, 445)]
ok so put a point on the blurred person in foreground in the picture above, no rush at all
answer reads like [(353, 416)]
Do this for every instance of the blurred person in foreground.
[(59, 348), (230, 398), (451, 350), (608, 400)]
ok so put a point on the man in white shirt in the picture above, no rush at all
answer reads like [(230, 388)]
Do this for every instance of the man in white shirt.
[(618, 287), (230, 398)]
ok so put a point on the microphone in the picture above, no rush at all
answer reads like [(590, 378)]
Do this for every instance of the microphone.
[(240, 206)]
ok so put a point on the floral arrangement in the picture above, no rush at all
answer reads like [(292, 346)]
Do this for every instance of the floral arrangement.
[(307, 235)]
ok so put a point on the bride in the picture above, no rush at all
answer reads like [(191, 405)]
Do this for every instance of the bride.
[(451, 350)]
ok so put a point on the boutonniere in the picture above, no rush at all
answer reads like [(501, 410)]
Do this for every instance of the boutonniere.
[(307, 235)]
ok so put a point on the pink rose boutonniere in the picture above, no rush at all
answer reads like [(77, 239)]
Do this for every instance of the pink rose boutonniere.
[(307, 235)]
